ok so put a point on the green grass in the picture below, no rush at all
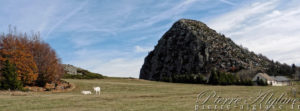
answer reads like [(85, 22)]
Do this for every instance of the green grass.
[(125, 95)]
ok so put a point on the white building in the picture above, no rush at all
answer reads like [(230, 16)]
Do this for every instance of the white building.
[(281, 81), (272, 80)]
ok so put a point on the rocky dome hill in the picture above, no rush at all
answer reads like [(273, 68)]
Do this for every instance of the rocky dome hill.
[(191, 47)]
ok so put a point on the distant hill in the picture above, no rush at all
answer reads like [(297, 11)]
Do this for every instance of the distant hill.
[(73, 72), (191, 47), (70, 69)]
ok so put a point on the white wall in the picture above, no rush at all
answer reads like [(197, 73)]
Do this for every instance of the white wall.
[(281, 84)]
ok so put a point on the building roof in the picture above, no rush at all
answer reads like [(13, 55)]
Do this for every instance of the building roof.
[(266, 76), (280, 78)]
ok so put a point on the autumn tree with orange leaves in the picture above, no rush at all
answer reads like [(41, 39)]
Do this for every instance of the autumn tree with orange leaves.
[(36, 62)]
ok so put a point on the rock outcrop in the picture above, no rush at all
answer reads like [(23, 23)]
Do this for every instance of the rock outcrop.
[(73, 72), (191, 47), (70, 69)]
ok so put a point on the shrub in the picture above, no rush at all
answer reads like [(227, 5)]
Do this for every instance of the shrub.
[(245, 82), (261, 82)]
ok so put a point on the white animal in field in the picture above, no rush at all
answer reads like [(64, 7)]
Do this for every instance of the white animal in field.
[(86, 92), (97, 90)]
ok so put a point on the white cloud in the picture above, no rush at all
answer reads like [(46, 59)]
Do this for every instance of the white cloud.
[(120, 67), (108, 62), (228, 2), (27, 16), (275, 13), (66, 17), (236, 19), (269, 27), (163, 15), (117, 67), (142, 49)]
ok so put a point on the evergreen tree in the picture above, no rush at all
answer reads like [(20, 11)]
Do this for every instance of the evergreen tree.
[(222, 78), (214, 79), (294, 68), (10, 77), (230, 79)]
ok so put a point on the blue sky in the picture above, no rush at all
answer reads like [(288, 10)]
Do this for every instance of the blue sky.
[(112, 37)]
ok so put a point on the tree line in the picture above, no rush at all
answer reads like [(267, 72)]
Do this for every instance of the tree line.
[(27, 60), (216, 78), (224, 78), (276, 69)]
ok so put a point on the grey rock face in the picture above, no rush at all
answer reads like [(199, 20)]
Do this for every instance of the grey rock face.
[(70, 69), (191, 47)]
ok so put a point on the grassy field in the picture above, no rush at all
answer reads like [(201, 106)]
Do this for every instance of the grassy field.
[(125, 95)]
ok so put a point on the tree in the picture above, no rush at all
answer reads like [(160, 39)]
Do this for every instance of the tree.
[(213, 79), (294, 68), (10, 77), (15, 49), (222, 80), (50, 69)]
